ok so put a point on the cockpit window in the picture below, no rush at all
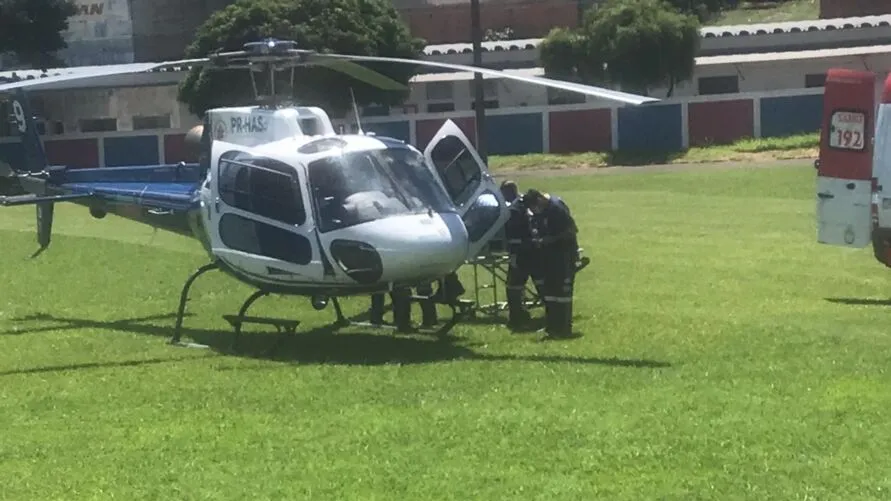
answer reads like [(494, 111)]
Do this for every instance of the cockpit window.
[(262, 186), (358, 187)]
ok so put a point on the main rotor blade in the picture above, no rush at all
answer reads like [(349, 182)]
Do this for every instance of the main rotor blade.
[(358, 72), (96, 73), (589, 90)]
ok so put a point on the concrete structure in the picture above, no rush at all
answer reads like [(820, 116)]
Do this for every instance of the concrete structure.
[(136, 118), (845, 8), (667, 126), (121, 105)]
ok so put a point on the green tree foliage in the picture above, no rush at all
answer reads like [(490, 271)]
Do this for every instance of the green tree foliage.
[(636, 44), (363, 27), (32, 29)]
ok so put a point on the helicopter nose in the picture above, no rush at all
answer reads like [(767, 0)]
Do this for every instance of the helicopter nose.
[(424, 246), (410, 247)]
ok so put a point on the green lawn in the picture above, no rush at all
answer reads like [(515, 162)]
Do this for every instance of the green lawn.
[(712, 367), (769, 12)]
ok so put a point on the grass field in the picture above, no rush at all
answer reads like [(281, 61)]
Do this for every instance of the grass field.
[(797, 147), (769, 12), (720, 360)]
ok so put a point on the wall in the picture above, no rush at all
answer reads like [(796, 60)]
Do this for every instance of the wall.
[(667, 126), (847, 8), (100, 32), (71, 106), (162, 29)]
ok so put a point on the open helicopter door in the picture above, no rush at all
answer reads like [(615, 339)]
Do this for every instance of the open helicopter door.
[(257, 219), (844, 168), (467, 181)]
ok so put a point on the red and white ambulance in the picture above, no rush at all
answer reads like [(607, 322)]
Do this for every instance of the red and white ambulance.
[(854, 166)]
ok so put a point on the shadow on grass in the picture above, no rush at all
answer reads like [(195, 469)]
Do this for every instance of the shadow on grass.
[(322, 345), (850, 301)]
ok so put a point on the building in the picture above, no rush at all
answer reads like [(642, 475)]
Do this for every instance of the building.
[(136, 118), (127, 31)]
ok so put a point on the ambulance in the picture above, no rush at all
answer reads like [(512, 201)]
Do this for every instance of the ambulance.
[(854, 164)]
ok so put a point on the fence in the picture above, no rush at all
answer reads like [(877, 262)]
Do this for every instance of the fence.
[(670, 125)]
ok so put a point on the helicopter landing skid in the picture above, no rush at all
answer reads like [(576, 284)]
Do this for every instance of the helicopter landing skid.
[(181, 311), (282, 325)]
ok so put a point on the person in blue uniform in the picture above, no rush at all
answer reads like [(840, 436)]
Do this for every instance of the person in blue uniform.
[(558, 243), (521, 267)]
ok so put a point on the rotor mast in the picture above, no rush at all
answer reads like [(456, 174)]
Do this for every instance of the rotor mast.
[(268, 56)]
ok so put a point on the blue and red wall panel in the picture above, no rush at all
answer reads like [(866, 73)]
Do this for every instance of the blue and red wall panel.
[(579, 131), (720, 122), (655, 127)]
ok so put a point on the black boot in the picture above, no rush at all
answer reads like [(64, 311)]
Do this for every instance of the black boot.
[(429, 317), (402, 309), (376, 312)]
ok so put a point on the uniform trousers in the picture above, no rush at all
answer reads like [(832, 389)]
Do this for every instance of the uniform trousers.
[(522, 267), (559, 283)]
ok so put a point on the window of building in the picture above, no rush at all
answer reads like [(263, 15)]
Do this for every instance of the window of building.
[(719, 85), (98, 124), (151, 122), (262, 186), (815, 80), (487, 104), (439, 91), (376, 110), (440, 107)]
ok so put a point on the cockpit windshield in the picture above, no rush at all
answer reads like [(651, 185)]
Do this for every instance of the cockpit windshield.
[(363, 186)]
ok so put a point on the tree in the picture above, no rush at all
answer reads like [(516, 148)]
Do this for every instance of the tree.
[(32, 29), (362, 27), (561, 53), (636, 44)]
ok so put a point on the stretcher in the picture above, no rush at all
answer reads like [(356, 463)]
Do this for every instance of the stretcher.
[(490, 275)]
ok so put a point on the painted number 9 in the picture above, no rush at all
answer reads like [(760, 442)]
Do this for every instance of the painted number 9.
[(19, 113)]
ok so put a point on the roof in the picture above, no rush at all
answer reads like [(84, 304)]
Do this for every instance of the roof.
[(700, 61), (842, 23), (793, 55)]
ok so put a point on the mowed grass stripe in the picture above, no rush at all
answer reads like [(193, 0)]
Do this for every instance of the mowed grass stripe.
[(712, 366)]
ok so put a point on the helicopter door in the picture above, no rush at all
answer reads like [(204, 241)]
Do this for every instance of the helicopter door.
[(467, 181), (844, 170), (257, 220)]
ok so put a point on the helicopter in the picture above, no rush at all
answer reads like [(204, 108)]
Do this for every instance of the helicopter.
[(281, 201)]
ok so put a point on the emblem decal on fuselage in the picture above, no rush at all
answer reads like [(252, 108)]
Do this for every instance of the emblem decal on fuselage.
[(219, 130)]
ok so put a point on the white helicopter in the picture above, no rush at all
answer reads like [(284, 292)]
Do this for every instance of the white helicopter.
[(283, 202)]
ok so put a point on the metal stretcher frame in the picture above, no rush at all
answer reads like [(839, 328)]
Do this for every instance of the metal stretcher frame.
[(496, 264)]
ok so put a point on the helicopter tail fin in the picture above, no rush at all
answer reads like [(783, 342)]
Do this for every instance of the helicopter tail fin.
[(33, 161), (23, 121)]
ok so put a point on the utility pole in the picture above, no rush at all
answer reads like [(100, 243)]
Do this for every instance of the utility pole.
[(476, 37)]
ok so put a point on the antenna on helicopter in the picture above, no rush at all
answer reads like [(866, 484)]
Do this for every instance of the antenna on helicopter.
[(356, 112)]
